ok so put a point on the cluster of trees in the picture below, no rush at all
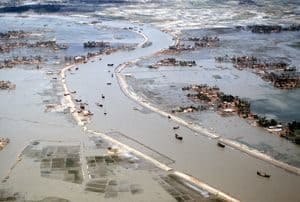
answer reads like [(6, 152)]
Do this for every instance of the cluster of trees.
[(264, 122)]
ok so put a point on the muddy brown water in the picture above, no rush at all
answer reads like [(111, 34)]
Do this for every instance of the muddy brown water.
[(226, 169)]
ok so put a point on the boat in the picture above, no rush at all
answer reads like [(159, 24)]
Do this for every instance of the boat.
[(263, 174), (220, 144), (178, 137)]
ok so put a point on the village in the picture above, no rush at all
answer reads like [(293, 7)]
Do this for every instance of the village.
[(267, 29), (173, 62), (3, 142), (19, 39), (227, 105), (31, 60), (192, 44), (96, 44), (7, 85), (14, 34), (280, 74)]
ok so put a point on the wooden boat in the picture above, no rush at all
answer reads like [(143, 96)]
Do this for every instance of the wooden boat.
[(221, 144), (99, 105), (263, 174), (178, 137)]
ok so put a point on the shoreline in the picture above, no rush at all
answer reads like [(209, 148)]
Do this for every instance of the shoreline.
[(203, 131)]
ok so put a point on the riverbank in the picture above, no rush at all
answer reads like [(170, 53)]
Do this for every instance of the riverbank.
[(73, 110), (128, 123), (139, 125), (199, 129), (255, 153)]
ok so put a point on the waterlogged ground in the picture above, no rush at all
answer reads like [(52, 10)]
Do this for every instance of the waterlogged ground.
[(163, 86), (87, 170), (63, 162), (50, 152), (70, 30), (176, 15)]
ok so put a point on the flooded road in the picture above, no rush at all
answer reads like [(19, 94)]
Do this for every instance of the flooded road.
[(227, 169)]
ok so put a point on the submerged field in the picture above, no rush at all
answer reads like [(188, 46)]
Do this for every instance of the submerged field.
[(99, 102), (163, 86)]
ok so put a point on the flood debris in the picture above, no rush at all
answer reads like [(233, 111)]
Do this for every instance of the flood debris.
[(7, 85), (279, 73), (3, 142)]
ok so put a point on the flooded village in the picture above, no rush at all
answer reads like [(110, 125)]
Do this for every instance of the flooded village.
[(138, 101), (227, 105), (280, 74)]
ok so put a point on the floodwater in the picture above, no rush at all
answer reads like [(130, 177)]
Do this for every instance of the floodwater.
[(228, 170), (23, 120), (64, 163), (163, 86), (177, 15)]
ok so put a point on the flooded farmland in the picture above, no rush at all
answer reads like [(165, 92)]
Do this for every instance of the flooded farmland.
[(128, 101)]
